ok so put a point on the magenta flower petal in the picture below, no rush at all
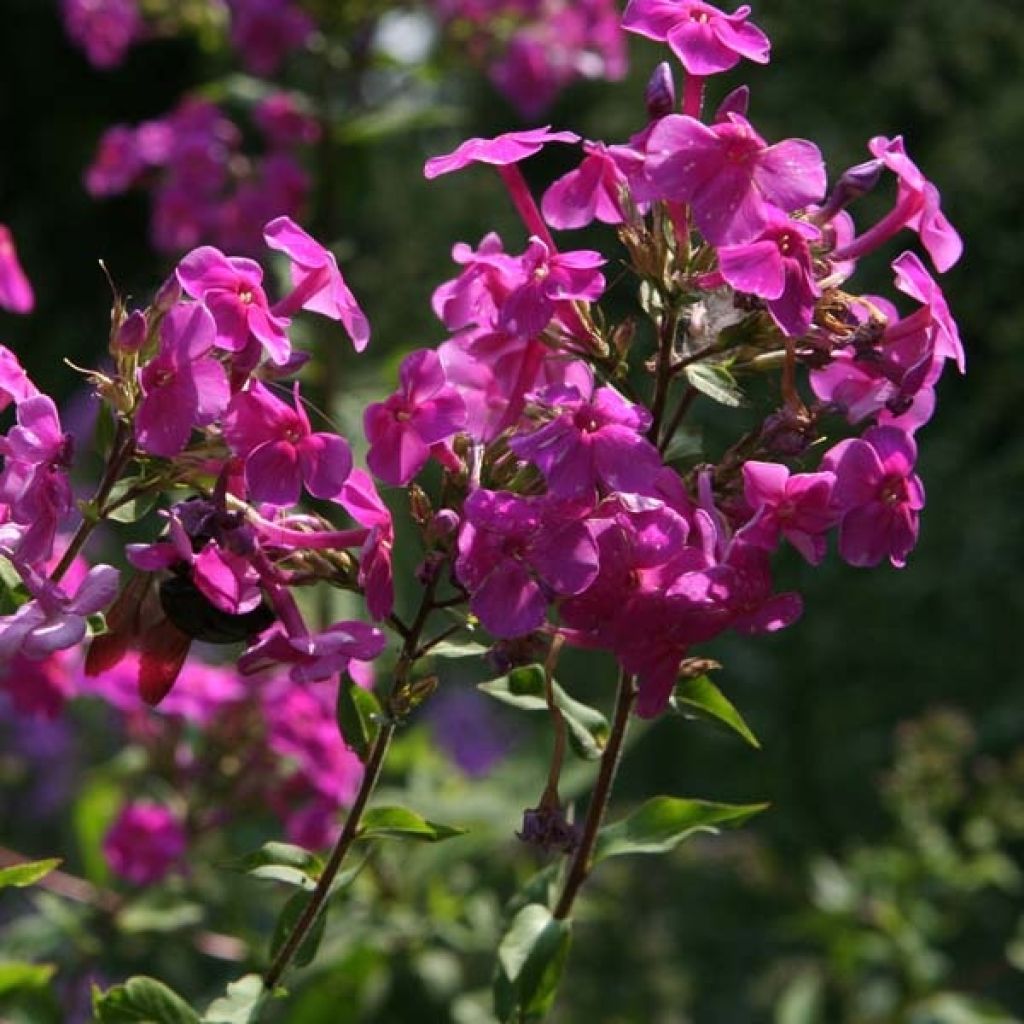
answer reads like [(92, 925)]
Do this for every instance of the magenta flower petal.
[(755, 267), (16, 293), (509, 603), (502, 150), (272, 473), (325, 462)]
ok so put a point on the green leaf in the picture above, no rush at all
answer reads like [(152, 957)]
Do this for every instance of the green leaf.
[(13, 593), (282, 862), (158, 911), (16, 975), (703, 696), (956, 1008), (141, 999), (663, 822), (715, 381), (95, 809), (523, 688), (134, 508), (242, 1003), (359, 715), (20, 876), (531, 958), (457, 649), (802, 1001), (401, 823), (286, 922)]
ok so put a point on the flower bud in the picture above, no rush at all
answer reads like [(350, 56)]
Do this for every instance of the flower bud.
[(167, 295), (548, 828), (131, 335), (444, 524), (660, 94), (735, 103), (852, 184)]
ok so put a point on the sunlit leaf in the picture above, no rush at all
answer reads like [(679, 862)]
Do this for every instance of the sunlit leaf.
[(716, 382), (702, 696), (401, 823), (141, 999), (359, 714), (21, 875), (242, 1003), (16, 975), (531, 958)]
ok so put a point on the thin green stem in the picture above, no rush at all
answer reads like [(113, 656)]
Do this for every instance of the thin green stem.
[(689, 396), (662, 373), (582, 860)]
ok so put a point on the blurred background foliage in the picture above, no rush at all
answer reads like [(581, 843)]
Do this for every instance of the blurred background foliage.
[(884, 883)]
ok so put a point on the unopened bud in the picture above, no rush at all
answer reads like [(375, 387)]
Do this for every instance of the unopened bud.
[(419, 506), (131, 335), (736, 102), (167, 296), (660, 94), (548, 828), (622, 337), (444, 524), (852, 184)]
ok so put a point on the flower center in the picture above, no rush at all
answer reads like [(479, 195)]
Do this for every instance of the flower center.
[(893, 491)]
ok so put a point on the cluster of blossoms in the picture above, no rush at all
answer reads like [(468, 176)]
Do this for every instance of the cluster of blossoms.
[(263, 32), (533, 49), (562, 516), (204, 186)]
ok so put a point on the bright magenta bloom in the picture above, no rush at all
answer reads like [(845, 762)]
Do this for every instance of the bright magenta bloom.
[(16, 294), (281, 451), (423, 412), (912, 279), (596, 189), (505, 149), (317, 282), (15, 385), (313, 657), (705, 39), (877, 495), (360, 499), (145, 843), (730, 175)]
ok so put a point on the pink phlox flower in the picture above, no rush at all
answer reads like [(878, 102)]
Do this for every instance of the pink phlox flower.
[(550, 279), (590, 443), (39, 688), (505, 149), (232, 290), (264, 32), (517, 555), (729, 174), (145, 843), (15, 385), (284, 122), (877, 495), (917, 207), (705, 39), (423, 412), (912, 279), (183, 386), (597, 189), (317, 282), (360, 499), (16, 293), (116, 165), (313, 657), (776, 265), (104, 29), (475, 296), (797, 506), (52, 620), (280, 449)]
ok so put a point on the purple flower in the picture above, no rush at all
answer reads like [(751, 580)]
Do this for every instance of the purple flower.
[(516, 555), (506, 149), (104, 29), (728, 173), (424, 411), (183, 386), (265, 31), (777, 265), (798, 506), (145, 843), (917, 208), (232, 290), (313, 657), (16, 294), (53, 621), (117, 164), (598, 188), (590, 443), (281, 451), (15, 385), (360, 499), (317, 282), (877, 495), (284, 123), (912, 279), (704, 39)]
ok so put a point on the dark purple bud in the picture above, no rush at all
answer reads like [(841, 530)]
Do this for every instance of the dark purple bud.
[(445, 524), (547, 828), (852, 184), (660, 94), (167, 296), (736, 102), (427, 571), (131, 335)]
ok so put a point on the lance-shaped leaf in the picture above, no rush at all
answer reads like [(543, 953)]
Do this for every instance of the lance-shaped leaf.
[(663, 822), (715, 381), (700, 695), (131, 506), (282, 862), (401, 823), (141, 999), (17, 975), (531, 958), (457, 649), (22, 875), (242, 1003), (359, 716), (286, 922), (523, 688)]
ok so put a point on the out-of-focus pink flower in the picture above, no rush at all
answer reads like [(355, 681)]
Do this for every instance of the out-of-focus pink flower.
[(424, 411), (705, 39), (877, 494), (265, 31), (145, 843), (16, 294), (317, 282), (117, 163), (505, 149), (104, 29), (15, 385), (283, 122)]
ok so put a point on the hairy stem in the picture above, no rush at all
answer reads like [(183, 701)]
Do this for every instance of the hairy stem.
[(581, 864)]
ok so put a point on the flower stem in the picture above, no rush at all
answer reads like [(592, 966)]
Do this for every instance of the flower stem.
[(582, 859)]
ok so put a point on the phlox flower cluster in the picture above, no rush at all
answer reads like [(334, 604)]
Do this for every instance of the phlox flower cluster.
[(534, 49), (204, 186)]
